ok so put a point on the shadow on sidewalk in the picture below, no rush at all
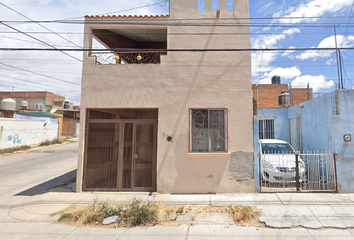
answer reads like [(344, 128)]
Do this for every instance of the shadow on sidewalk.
[(53, 183)]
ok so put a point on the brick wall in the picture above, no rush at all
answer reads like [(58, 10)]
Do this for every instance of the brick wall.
[(267, 95), (69, 127), (22, 95)]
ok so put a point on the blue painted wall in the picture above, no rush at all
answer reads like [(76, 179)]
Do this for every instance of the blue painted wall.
[(281, 121), (344, 124), (317, 122), (256, 152), (322, 129)]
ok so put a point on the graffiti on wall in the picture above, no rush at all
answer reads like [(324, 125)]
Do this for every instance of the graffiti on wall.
[(33, 135), (15, 139)]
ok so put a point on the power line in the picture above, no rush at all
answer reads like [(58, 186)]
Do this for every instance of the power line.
[(39, 40), (26, 3), (22, 40), (171, 34), (125, 10), (182, 19), (39, 74), (350, 18), (23, 80), (176, 50), (193, 24), (40, 25)]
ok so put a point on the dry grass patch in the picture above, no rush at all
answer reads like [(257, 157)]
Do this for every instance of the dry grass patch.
[(245, 215), (139, 213), (51, 142), (27, 147), (135, 214), (14, 149)]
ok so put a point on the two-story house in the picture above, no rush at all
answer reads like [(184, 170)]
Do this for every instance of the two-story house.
[(167, 106)]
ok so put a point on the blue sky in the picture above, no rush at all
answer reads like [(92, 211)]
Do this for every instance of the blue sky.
[(318, 68)]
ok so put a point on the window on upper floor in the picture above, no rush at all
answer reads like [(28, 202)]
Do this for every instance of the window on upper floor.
[(208, 130), (152, 42)]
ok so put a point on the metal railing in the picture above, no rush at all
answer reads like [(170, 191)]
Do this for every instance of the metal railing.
[(298, 172), (109, 58)]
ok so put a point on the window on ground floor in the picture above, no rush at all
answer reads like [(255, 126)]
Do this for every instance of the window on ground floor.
[(208, 130), (266, 129)]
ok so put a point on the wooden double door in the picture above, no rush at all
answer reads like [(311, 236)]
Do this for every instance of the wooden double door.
[(120, 155)]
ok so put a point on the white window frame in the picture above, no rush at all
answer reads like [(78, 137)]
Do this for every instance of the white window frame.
[(263, 128)]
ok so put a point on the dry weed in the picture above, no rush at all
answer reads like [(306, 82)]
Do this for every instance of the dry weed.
[(139, 213)]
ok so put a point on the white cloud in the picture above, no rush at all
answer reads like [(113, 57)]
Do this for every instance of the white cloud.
[(288, 52), (261, 61), (284, 73), (330, 61), (314, 54), (292, 31), (316, 82), (329, 42), (266, 6), (273, 39), (306, 12)]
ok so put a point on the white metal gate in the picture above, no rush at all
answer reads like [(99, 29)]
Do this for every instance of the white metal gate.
[(300, 172)]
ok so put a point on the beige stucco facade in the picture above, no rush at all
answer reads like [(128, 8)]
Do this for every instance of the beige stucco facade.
[(183, 81)]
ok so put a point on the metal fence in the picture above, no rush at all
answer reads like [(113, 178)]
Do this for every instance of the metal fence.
[(298, 172)]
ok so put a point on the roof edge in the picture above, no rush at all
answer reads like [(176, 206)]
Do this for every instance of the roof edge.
[(127, 16)]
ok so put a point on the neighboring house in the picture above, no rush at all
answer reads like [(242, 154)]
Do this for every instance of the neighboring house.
[(172, 122), (323, 124), (266, 95), (71, 122), (36, 101)]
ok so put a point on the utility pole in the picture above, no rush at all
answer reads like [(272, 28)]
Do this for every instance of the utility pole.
[(341, 68), (339, 61), (308, 91), (335, 38)]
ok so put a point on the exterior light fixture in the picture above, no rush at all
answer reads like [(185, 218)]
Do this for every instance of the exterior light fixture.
[(117, 58), (139, 58)]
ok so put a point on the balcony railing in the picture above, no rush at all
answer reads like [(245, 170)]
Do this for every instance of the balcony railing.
[(110, 58)]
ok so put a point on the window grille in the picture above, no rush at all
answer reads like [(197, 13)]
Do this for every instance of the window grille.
[(208, 131), (266, 129)]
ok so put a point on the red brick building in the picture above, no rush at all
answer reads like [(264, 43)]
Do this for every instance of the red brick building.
[(266, 95), (36, 101)]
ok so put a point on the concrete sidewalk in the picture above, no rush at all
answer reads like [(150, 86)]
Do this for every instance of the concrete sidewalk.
[(29, 193), (279, 210), (28, 217)]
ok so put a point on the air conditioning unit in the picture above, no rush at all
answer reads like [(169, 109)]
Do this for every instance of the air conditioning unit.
[(284, 100), (24, 104)]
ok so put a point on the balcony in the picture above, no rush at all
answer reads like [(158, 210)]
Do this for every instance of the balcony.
[(152, 42)]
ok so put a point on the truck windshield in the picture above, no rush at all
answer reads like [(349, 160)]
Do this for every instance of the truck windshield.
[(276, 148)]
